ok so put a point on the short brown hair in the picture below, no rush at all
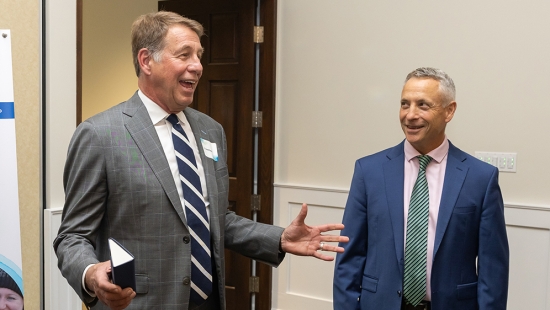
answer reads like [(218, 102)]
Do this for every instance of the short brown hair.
[(149, 31)]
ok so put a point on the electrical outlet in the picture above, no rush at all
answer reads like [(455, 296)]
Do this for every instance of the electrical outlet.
[(505, 162)]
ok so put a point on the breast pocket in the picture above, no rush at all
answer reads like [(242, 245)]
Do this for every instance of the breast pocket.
[(462, 210)]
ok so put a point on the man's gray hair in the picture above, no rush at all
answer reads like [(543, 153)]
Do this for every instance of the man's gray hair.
[(446, 84)]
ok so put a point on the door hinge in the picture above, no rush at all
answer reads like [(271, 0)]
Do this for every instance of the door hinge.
[(254, 284), (258, 34), (256, 119), (256, 202)]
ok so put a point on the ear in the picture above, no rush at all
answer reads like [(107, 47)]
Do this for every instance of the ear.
[(450, 111), (145, 58)]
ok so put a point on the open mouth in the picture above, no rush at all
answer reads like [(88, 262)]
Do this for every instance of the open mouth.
[(188, 83)]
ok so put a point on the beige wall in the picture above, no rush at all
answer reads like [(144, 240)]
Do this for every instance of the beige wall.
[(341, 69), (108, 75), (22, 17)]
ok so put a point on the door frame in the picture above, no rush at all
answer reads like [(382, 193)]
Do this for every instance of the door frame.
[(266, 149)]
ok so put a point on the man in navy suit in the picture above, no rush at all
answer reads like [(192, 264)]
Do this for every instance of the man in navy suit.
[(465, 257)]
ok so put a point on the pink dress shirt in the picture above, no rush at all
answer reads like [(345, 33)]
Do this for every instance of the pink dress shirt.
[(435, 174)]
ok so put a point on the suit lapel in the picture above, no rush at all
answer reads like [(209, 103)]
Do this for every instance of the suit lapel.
[(139, 126), (394, 176), (455, 174)]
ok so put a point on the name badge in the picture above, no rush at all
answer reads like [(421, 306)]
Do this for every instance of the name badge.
[(210, 149)]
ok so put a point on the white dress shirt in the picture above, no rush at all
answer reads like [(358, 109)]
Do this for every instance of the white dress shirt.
[(164, 132)]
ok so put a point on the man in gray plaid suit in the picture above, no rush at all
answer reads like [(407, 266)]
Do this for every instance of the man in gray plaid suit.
[(122, 181)]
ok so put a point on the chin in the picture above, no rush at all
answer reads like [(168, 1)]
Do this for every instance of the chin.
[(412, 139)]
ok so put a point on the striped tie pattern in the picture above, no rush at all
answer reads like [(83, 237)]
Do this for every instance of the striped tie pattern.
[(195, 211), (416, 247)]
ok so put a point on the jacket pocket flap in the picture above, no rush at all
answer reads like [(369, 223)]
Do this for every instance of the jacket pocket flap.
[(369, 284), (466, 291), (142, 284)]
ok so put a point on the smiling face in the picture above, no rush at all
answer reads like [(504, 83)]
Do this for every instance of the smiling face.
[(423, 114), (10, 300), (172, 78)]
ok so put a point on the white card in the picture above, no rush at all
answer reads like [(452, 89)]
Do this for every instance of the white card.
[(210, 149)]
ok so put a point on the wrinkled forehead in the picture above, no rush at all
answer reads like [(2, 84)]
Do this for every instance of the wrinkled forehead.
[(180, 37)]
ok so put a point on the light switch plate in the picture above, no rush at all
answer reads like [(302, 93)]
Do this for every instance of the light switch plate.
[(505, 162)]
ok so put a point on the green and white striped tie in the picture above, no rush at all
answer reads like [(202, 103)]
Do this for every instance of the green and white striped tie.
[(416, 247)]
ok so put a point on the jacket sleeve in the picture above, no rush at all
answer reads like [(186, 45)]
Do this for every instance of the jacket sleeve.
[(85, 199), (349, 266), (493, 252), (255, 240)]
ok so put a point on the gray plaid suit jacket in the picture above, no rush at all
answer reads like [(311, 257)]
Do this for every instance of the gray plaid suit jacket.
[(118, 184)]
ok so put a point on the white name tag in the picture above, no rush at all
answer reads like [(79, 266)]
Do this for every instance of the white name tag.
[(210, 149)]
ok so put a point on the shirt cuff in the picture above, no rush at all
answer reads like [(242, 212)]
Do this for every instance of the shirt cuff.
[(84, 282)]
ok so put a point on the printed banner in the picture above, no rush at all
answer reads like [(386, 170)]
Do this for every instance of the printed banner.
[(11, 280)]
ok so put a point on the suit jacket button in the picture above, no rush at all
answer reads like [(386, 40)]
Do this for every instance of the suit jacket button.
[(186, 239), (186, 281), (399, 293)]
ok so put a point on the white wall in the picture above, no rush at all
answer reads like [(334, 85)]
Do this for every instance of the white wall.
[(60, 98), (340, 70), (306, 283), (60, 112), (341, 67)]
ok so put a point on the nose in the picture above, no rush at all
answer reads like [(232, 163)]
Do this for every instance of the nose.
[(196, 67), (412, 112)]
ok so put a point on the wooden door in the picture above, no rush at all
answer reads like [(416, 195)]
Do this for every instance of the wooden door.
[(226, 93)]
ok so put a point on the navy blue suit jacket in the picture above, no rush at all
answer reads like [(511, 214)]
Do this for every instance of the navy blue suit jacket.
[(471, 256)]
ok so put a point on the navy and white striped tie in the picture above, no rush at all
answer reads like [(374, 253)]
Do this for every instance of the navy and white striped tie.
[(195, 211)]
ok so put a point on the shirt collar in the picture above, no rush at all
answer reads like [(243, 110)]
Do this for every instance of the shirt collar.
[(438, 154), (157, 113)]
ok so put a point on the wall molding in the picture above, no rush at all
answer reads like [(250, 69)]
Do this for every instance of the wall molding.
[(513, 205), (312, 188), (306, 283), (58, 294)]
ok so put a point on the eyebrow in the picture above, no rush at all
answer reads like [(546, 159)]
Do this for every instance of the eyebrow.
[(187, 46)]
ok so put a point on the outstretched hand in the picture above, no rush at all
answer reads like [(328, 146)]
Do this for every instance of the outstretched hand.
[(301, 239)]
